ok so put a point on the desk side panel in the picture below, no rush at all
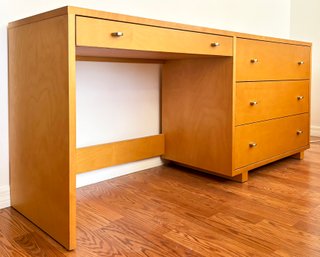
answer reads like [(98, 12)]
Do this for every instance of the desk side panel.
[(41, 180)]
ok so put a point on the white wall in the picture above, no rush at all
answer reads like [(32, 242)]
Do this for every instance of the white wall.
[(116, 101), (265, 17), (305, 23)]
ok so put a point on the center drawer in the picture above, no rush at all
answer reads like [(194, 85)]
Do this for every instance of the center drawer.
[(93, 32), (258, 101), (260, 141), (261, 60)]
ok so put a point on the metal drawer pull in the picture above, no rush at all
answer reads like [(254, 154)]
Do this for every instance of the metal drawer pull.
[(301, 62), (254, 60), (215, 44), (300, 97), (252, 103), (252, 144), (299, 132), (117, 34)]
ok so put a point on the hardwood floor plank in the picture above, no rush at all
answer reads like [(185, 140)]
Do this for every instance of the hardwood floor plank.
[(232, 237), (33, 244), (89, 214), (90, 244), (309, 227), (266, 234), (9, 249), (206, 246), (12, 225), (143, 242)]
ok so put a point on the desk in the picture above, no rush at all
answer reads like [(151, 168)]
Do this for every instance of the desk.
[(231, 102)]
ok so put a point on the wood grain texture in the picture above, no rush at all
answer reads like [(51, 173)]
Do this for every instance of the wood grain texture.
[(281, 132), (274, 100), (41, 181), (174, 211), (97, 33), (106, 155), (197, 113), (274, 61)]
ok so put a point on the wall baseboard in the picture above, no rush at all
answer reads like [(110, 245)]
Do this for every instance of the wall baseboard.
[(315, 131), (96, 176), (4, 197)]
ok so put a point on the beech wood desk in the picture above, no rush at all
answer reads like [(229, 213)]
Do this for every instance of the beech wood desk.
[(231, 102)]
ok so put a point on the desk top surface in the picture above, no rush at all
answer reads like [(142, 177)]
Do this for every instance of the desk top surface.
[(71, 10)]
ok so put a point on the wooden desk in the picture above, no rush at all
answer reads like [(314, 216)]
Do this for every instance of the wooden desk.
[(231, 102)]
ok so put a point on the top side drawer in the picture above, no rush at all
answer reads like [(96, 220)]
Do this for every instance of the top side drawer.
[(260, 60), (93, 32)]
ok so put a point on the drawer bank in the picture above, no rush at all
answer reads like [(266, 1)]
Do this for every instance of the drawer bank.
[(231, 102)]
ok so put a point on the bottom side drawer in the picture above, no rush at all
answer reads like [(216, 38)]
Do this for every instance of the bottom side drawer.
[(262, 140)]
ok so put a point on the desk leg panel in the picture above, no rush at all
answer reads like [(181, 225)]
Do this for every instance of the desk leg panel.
[(41, 180), (197, 113)]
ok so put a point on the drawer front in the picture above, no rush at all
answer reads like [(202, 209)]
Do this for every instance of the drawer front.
[(272, 138), (260, 60), (98, 33), (258, 101)]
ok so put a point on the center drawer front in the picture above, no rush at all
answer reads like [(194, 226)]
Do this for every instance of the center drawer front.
[(98, 33), (260, 60), (257, 101), (272, 138)]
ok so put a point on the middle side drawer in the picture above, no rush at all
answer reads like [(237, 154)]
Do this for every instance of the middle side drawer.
[(258, 101)]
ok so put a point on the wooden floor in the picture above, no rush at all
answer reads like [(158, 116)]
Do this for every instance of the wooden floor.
[(172, 211)]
